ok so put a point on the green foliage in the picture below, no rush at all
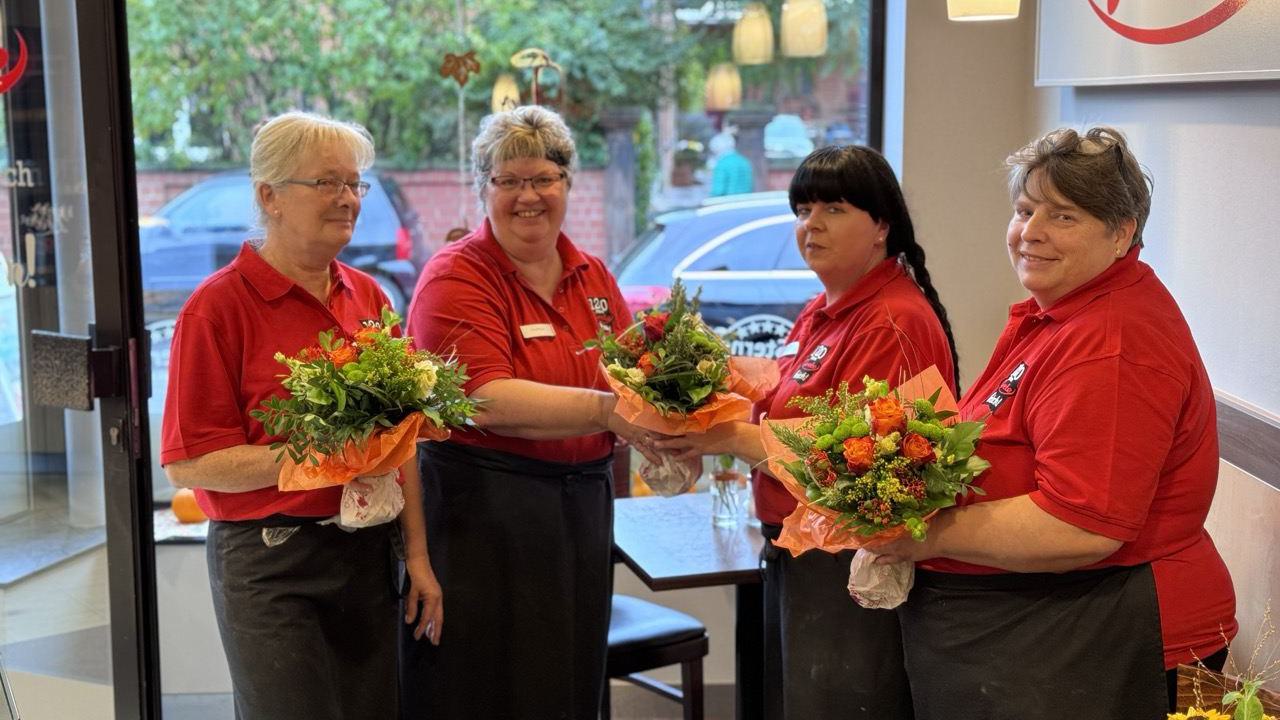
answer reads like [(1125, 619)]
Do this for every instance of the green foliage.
[(669, 357), (877, 462), (233, 63), (646, 168), (342, 392)]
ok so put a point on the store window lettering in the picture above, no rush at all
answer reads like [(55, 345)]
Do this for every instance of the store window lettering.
[(20, 175), (19, 273), (11, 77), (42, 218)]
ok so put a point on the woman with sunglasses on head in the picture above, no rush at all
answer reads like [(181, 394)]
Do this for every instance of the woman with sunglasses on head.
[(521, 508), (878, 315), (306, 609), (1084, 575)]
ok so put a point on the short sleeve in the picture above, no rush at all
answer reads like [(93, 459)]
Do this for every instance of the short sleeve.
[(202, 410), (460, 316), (1102, 431)]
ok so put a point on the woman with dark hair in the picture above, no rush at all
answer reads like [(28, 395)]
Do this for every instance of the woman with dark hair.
[(1084, 575), (878, 315)]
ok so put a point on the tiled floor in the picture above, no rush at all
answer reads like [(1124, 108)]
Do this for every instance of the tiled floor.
[(43, 537)]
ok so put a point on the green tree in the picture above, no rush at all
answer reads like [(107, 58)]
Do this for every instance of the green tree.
[(229, 64)]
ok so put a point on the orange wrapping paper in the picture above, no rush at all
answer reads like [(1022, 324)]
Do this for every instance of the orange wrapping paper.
[(749, 380), (385, 451), (811, 526)]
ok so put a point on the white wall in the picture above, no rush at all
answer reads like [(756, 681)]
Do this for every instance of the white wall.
[(964, 105), (1213, 150)]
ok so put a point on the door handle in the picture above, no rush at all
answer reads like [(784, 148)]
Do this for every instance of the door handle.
[(69, 371)]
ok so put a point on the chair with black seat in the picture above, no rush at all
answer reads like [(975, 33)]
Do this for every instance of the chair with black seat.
[(644, 636)]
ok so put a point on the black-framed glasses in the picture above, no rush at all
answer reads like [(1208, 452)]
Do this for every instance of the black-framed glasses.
[(539, 183), (332, 187)]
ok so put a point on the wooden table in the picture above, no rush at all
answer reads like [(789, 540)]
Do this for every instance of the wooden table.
[(671, 544)]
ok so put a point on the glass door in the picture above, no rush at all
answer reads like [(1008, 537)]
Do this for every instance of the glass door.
[(77, 618)]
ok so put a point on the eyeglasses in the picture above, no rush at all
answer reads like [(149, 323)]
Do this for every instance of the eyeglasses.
[(332, 187), (539, 183)]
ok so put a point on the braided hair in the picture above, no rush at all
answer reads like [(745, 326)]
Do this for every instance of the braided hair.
[(862, 177)]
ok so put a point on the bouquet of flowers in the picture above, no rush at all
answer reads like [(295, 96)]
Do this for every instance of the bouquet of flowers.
[(674, 375), (357, 409), (869, 466)]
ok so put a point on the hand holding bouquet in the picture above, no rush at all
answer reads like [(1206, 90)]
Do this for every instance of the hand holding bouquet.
[(673, 375), (357, 408), (868, 467)]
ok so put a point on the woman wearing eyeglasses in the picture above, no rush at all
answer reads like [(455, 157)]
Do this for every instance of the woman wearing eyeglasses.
[(521, 508), (306, 609)]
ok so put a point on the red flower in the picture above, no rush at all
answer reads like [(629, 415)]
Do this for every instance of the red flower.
[(818, 462), (366, 336), (887, 416), (308, 354), (829, 479), (918, 449), (646, 365), (655, 325), (860, 454), (342, 355), (631, 341)]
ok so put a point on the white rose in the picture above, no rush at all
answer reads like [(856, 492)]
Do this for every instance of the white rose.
[(635, 376), (426, 377), (706, 366)]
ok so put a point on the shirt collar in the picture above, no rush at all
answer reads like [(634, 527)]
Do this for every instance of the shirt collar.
[(270, 283), (570, 257), (866, 287), (1122, 273)]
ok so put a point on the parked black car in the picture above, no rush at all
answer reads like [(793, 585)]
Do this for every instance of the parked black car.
[(741, 251), (202, 230)]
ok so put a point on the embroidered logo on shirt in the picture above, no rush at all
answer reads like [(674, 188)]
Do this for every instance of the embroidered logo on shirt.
[(1007, 388), (604, 319), (810, 364)]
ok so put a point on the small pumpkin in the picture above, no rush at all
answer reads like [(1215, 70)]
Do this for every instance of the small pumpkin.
[(185, 507)]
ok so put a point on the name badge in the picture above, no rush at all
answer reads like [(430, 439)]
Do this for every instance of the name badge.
[(537, 330), (789, 349)]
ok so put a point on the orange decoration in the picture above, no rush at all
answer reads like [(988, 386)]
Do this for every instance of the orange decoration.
[(749, 380), (185, 508), (812, 526), (384, 452)]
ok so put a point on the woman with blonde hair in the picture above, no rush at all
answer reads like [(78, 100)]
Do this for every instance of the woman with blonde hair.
[(306, 609)]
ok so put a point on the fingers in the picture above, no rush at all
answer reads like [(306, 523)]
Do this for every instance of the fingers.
[(430, 621)]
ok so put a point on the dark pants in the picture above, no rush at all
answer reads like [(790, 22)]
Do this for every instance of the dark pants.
[(523, 552), (309, 624), (1012, 646), (825, 655)]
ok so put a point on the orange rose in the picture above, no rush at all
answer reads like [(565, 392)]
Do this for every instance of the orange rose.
[(918, 449), (367, 335), (887, 416), (342, 355), (860, 454), (645, 363)]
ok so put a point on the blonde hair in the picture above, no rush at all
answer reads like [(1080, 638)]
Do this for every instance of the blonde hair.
[(526, 132), (281, 143)]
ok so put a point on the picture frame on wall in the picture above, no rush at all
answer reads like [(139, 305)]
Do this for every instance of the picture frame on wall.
[(1126, 42)]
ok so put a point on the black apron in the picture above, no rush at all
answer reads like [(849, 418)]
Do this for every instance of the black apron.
[(1018, 646), (522, 549)]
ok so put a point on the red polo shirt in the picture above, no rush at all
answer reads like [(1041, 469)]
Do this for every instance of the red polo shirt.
[(1100, 409), (883, 327), (472, 301), (221, 366)]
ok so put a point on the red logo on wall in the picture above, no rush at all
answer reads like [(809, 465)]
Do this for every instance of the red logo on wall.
[(11, 77), (1174, 33)]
